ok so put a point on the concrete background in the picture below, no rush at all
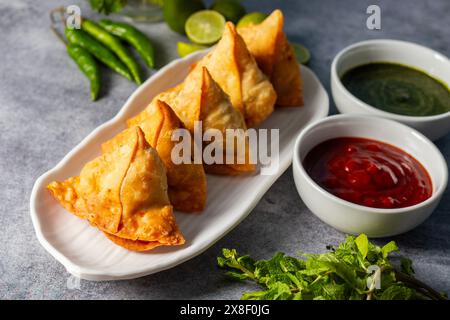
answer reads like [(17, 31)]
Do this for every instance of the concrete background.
[(45, 111)]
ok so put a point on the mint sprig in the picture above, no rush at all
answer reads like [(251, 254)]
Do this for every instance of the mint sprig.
[(343, 273)]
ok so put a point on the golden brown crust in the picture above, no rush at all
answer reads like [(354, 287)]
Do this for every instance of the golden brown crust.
[(199, 98), (123, 192), (187, 182), (227, 170), (276, 58), (286, 77), (66, 193), (138, 245), (232, 66)]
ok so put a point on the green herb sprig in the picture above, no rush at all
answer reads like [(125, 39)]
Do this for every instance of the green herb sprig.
[(348, 272)]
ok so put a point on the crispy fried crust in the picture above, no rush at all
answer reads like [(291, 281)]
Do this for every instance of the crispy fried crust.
[(139, 245), (187, 182), (232, 66), (276, 58), (199, 98), (123, 192)]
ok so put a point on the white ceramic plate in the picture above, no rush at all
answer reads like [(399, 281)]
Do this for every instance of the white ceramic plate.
[(88, 254)]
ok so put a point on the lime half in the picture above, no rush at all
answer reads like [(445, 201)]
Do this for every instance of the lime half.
[(301, 53), (251, 18), (205, 27), (184, 48)]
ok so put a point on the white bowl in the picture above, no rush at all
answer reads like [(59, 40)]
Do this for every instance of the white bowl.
[(353, 218), (406, 53)]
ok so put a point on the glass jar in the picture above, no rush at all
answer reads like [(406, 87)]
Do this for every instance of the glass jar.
[(143, 10)]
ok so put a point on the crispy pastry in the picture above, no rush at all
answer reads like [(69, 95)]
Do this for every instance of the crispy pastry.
[(232, 66), (123, 192), (276, 58), (199, 98), (187, 182)]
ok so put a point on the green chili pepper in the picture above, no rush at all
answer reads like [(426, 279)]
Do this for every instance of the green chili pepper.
[(114, 45), (84, 40), (134, 37), (88, 66)]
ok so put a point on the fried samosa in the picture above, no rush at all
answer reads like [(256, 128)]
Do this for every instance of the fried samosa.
[(123, 192), (232, 66), (199, 98), (186, 181), (276, 58), (134, 245)]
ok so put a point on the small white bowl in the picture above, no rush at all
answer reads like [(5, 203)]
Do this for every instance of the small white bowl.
[(405, 53), (353, 218)]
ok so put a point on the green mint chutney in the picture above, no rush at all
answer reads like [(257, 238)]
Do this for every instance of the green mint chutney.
[(398, 89)]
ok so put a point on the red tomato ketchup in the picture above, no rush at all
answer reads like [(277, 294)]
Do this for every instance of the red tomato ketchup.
[(368, 172)]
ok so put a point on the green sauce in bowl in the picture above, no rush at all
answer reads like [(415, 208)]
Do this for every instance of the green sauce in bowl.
[(398, 89)]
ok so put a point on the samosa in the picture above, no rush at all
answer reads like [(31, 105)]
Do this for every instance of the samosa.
[(199, 98), (123, 192), (232, 66), (276, 58), (186, 181)]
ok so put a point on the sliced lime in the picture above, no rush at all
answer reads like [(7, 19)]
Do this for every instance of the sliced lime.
[(232, 10), (205, 27), (251, 18), (184, 48), (301, 53)]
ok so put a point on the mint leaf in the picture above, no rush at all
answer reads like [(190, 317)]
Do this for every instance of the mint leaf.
[(258, 295), (406, 266), (397, 292), (363, 245), (388, 248), (279, 291), (387, 279), (231, 260), (345, 272), (236, 275)]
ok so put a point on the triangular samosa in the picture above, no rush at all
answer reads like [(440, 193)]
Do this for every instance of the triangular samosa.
[(199, 98), (123, 192), (187, 182), (232, 66), (276, 58)]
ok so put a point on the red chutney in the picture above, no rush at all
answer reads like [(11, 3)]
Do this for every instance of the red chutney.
[(368, 172)]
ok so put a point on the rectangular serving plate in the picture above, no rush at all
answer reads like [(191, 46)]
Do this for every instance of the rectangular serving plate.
[(87, 253)]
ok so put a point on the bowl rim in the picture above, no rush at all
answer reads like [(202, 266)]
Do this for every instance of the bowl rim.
[(297, 163), (365, 106)]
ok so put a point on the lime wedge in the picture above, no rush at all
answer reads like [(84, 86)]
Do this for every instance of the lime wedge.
[(205, 27), (232, 10), (251, 18), (301, 53), (184, 48)]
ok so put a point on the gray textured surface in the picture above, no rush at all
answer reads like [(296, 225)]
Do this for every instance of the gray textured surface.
[(45, 111)]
